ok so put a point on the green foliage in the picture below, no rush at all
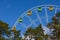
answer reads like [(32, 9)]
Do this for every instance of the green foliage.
[(4, 29), (37, 32), (55, 24)]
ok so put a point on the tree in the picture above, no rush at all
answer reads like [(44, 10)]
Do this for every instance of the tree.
[(16, 33), (54, 26), (38, 32), (4, 29)]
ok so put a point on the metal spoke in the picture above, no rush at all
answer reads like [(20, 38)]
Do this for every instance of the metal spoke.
[(28, 26), (55, 11), (32, 21), (23, 24), (39, 18), (18, 19), (46, 14)]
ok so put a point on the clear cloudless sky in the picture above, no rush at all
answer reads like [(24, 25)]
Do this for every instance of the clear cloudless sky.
[(10, 10)]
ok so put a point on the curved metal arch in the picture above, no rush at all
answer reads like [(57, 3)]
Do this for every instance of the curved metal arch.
[(32, 9)]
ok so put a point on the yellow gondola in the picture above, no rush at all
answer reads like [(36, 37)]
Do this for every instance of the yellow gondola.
[(50, 8), (14, 28), (29, 13)]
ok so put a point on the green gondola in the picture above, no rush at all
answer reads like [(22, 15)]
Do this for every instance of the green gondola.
[(20, 20), (39, 9)]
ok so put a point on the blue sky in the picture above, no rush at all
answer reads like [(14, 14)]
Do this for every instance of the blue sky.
[(10, 10)]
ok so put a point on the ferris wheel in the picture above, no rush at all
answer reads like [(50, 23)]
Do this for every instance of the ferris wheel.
[(37, 15)]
